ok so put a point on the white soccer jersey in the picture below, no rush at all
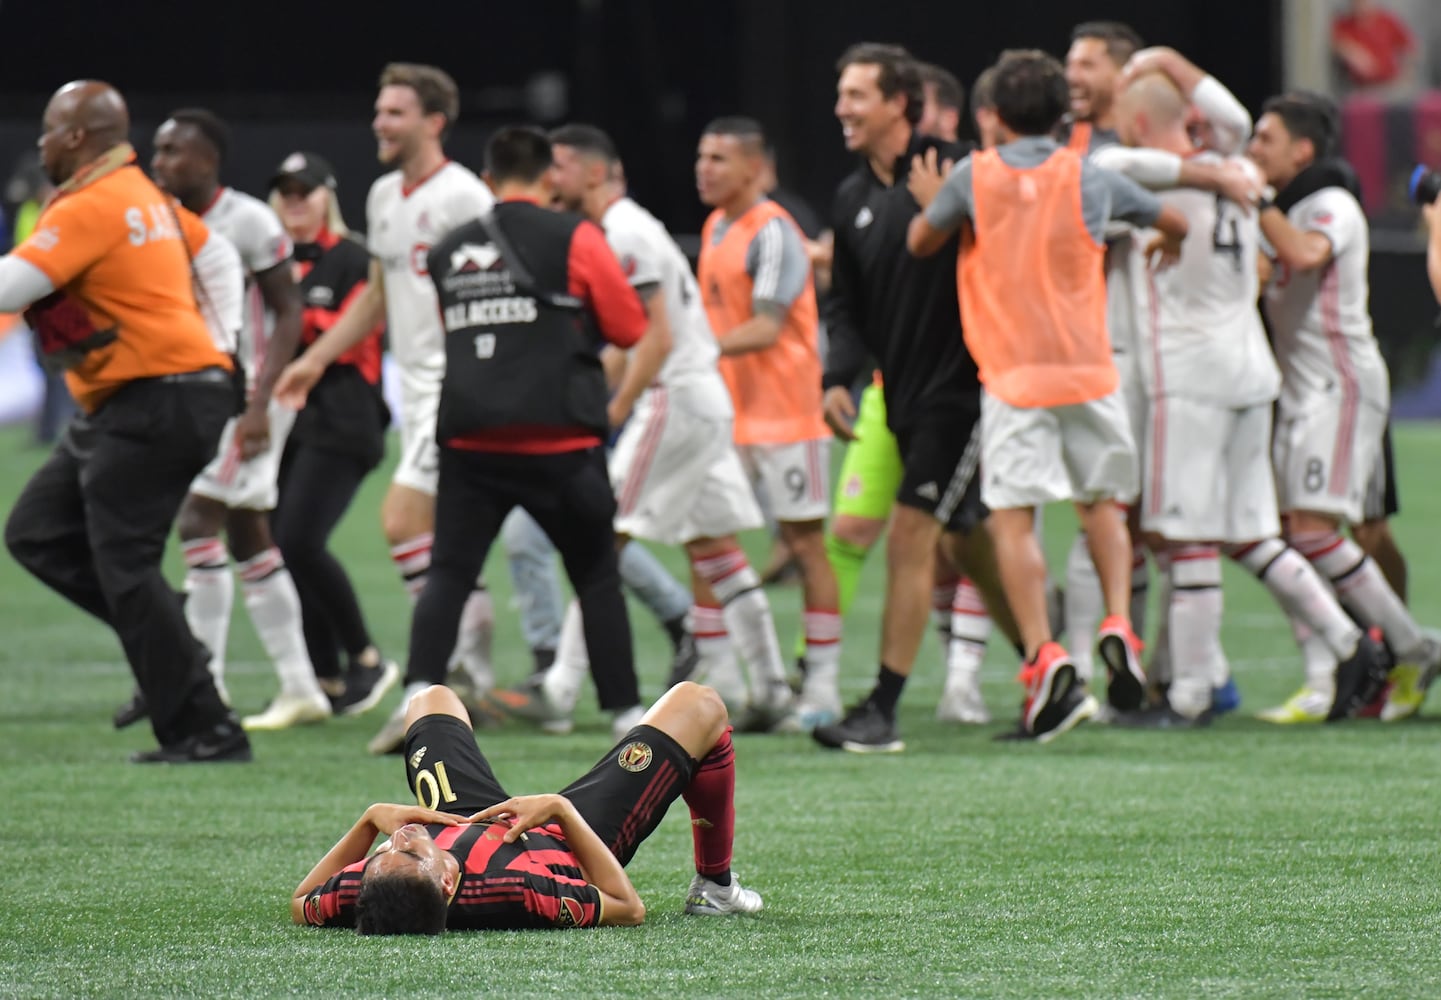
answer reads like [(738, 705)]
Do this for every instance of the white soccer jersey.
[(403, 224), (649, 256), (1201, 333), (255, 231), (220, 290), (1321, 319)]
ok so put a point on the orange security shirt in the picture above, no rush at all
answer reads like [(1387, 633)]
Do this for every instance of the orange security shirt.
[(1032, 285), (776, 391), (110, 241)]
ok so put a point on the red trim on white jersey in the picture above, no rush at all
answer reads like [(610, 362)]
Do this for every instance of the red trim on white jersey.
[(1350, 388), (645, 452), (407, 190)]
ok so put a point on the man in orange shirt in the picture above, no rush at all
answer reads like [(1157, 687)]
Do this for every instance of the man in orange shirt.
[(111, 256), (1033, 308), (758, 292)]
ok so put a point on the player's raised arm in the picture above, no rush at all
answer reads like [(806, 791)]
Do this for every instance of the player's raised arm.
[(365, 312), (944, 204), (1432, 214)]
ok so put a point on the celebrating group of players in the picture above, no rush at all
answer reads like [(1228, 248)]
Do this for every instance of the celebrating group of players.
[(1069, 313)]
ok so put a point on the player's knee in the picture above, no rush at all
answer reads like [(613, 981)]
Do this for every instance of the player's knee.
[(860, 532), (709, 706), (198, 518), (435, 700)]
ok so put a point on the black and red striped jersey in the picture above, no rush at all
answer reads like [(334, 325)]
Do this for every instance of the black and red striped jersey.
[(535, 882)]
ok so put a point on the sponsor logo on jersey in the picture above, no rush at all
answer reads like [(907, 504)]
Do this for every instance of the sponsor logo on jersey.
[(864, 217), (418, 254), (320, 295), (628, 265), (634, 756)]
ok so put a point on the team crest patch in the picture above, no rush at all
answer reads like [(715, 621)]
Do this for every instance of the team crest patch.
[(853, 487), (634, 756)]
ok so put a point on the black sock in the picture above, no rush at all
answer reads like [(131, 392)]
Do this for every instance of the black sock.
[(724, 878), (675, 628), (888, 690), (543, 658)]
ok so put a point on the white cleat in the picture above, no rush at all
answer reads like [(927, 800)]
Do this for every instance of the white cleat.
[(963, 704), (624, 721), (707, 899), (391, 738), (289, 710)]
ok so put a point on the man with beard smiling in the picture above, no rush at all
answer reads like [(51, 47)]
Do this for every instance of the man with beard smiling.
[(424, 197)]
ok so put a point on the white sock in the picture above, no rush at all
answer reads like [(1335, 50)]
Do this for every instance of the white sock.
[(823, 654), (943, 597), (412, 559), (1362, 588), (472, 643), (1301, 592), (970, 631), (747, 616), (718, 667), (567, 674), (274, 607), (211, 592), (1084, 606), (1195, 626), (1317, 659)]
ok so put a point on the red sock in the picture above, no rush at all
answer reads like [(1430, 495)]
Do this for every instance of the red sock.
[(711, 798)]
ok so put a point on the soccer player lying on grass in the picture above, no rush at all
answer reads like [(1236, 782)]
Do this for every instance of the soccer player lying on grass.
[(497, 862)]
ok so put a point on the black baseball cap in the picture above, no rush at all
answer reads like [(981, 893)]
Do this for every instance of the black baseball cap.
[(310, 169)]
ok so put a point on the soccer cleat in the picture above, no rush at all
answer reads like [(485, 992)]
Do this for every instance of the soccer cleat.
[(1121, 652), (1360, 678), (530, 702), (1305, 707), (1410, 682), (865, 729), (1048, 678), (222, 743), (365, 686), (1226, 697), (708, 899), (1075, 707), (776, 713), (624, 721), (961, 702), (683, 664), (1160, 717), (289, 710), (391, 738), (818, 709), (131, 712)]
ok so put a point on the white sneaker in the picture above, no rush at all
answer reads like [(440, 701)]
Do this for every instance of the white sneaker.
[(962, 703), (818, 708), (391, 738), (707, 899), (289, 710), (624, 721), (727, 681)]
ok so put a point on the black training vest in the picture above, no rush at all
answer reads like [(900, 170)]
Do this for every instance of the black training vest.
[(519, 349)]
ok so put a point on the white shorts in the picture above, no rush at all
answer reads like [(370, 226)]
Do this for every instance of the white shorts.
[(1208, 472), (1037, 456), (419, 465), (795, 477), (676, 473), (1324, 456), (242, 484)]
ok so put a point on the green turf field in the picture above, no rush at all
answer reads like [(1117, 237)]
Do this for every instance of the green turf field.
[(1245, 861)]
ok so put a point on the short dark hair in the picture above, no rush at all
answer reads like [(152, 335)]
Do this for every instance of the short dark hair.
[(208, 124), (400, 904), (983, 91), (899, 72), (750, 132), (1307, 115), (1121, 39), (586, 139), (518, 153), (1030, 91), (949, 92), (434, 87)]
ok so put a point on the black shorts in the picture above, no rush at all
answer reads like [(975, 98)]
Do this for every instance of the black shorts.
[(623, 797), (941, 459), (1381, 501)]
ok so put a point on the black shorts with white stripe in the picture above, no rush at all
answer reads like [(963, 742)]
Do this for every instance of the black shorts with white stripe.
[(941, 459)]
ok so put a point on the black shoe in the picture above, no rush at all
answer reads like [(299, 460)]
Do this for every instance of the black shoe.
[(131, 712), (1064, 711), (686, 659), (365, 686), (865, 729), (1360, 678), (226, 742), (1160, 717)]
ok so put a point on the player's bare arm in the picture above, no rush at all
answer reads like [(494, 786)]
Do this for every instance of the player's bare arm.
[(1298, 249), (840, 412), (1172, 226), (924, 239), (762, 330), (646, 357), (282, 297), (382, 818), (362, 315), (620, 903)]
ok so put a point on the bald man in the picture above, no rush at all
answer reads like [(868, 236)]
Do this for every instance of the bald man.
[(107, 279)]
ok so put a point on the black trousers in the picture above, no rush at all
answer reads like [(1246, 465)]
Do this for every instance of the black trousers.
[(316, 488), (92, 525), (570, 497)]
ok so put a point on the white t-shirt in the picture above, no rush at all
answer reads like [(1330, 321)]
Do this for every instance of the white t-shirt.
[(1321, 319), (262, 242), (403, 225), (649, 256), (1201, 333)]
